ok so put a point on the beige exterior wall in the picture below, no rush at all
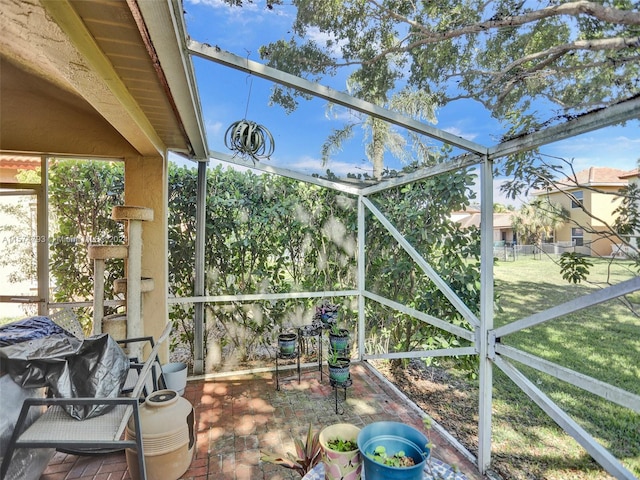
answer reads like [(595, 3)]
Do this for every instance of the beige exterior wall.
[(67, 89), (604, 204), (600, 204), (146, 186)]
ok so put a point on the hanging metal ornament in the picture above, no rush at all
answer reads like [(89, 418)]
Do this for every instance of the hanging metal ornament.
[(249, 138)]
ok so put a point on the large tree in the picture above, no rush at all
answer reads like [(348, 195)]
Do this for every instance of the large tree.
[(530, 64), (567, 57)]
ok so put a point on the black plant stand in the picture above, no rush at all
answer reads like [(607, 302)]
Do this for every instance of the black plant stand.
[(287, 356), (344, 385), (304, 334)]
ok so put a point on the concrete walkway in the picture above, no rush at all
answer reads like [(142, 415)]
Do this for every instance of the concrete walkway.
[(238, 417)]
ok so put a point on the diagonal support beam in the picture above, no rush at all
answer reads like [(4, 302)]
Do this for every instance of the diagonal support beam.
[(284, 172), (618, 113), (605, 390), (597, 451), (609, 293), (424, 265), (423, 317), (228, 59)]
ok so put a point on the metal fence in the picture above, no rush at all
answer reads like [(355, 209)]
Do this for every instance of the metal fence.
[(510, 252)]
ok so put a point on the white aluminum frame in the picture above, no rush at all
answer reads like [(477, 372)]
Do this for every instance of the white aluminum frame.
[(484, 337)]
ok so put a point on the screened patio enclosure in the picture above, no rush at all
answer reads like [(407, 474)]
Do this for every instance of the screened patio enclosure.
[(129, 129), (485, 339)]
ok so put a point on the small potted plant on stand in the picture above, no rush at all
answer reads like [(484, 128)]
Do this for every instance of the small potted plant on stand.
[(287, 344), (341, 456), (339, 340), (326, 313), (338, 368)]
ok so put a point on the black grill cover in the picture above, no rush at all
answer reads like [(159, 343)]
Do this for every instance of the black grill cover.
[(36, 353)]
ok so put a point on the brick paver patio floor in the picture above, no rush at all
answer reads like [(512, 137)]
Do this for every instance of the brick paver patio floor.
[(238, 417)]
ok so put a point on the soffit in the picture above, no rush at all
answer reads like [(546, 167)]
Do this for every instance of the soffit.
[(112, 25), (95, 52)]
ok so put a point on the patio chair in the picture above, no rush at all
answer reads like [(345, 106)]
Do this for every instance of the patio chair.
[(57, 429), (67, 319)]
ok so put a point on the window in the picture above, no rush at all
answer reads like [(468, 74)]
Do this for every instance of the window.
[(577, 237), (576, 202)]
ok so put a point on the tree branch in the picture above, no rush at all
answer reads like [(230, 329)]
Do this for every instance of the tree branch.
[(595, 10)]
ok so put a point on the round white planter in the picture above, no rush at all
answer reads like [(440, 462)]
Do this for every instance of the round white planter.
[(175, 376)]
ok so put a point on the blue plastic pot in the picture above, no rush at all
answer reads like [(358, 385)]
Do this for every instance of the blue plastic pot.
[(394, 437)]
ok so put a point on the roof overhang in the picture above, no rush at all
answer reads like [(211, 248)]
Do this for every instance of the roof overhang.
[(117, 77)]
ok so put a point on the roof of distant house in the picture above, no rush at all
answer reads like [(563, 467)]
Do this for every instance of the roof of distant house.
[(503, 219), (471, 218), (633, 173), (467, 218), (19, 162), (592, 177)]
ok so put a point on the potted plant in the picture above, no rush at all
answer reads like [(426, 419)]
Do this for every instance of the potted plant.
[(338, 368), (398, 459), (339, 340), (175, 376), (308, 455), (287, 343), (393, 451), (326, 313), (340, 453)]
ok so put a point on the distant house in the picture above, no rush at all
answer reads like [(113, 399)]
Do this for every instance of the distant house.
[(10, 165), (503, 227), (633, 177), (467, 218), (502, 223), (596, 189)]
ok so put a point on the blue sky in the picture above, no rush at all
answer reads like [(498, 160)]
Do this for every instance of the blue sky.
[(228, 95)]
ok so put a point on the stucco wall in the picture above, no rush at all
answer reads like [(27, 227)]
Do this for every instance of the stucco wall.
[(601, 206), (146, 186)]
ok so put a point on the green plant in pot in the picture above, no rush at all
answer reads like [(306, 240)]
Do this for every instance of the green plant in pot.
[(398, 459), (326, 314), (339, 444), (340, 453), (338, 367), (308, 454), (397, 451), (287, 344), (339, 340)]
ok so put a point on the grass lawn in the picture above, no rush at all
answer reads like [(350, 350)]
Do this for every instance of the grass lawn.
[(602, 341)]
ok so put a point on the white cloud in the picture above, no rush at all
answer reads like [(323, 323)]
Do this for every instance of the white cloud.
[(343, 114), (243, 29), (309, 164), (214, 129), (458, 132), (321, 38), (602, 148)]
